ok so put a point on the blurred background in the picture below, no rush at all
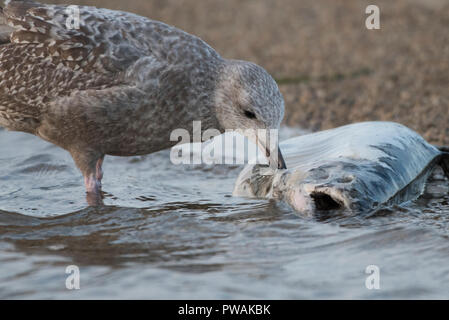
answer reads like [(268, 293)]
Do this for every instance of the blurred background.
[(330, 68)]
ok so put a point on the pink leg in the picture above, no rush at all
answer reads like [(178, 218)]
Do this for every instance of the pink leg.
[(99, 170), (90, 165), (93, 180), (93, 185)]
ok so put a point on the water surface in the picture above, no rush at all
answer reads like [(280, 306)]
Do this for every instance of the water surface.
[(170, 232)]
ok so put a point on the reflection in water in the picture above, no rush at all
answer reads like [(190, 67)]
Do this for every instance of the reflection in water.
[(174, 232)]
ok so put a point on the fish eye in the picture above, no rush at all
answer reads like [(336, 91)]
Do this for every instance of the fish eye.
[(250, 114)]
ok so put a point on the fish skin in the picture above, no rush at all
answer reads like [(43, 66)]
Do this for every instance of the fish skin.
[(356, 168)]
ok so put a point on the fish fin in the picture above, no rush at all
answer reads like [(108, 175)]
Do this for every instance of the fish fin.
[(444, 149)]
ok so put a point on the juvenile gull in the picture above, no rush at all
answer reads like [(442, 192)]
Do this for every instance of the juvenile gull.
[(121, 83)]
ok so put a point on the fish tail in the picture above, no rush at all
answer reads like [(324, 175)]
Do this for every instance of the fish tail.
[(445, 163), (444, 149)]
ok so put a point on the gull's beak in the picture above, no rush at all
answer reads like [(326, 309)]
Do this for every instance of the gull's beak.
[(281, 161), (274, 156)]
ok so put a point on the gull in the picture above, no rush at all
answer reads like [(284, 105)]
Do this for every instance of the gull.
[(116, 83)]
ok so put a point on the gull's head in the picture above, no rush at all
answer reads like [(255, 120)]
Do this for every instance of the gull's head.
[(248, 100)]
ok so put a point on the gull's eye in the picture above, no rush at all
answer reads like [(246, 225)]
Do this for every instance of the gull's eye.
[(250, 114)]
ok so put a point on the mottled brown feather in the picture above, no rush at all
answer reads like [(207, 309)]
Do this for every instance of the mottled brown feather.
[(120, 83)]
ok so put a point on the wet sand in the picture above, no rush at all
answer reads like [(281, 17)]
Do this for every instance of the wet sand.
[(331, 69)]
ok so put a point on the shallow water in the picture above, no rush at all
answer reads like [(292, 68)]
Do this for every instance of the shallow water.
[(171, 231)]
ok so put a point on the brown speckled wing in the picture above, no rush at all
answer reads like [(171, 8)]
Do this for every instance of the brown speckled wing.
[(109, 85), (44, 60), (90, 46)]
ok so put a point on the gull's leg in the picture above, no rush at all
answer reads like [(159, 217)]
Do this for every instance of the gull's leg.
[(90, 164), (92, 179)]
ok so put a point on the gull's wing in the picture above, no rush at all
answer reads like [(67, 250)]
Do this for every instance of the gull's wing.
[(42, 61), (48, 70), (105, 40)]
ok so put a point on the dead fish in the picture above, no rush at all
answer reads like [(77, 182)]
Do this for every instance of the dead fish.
[(358, 167)]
